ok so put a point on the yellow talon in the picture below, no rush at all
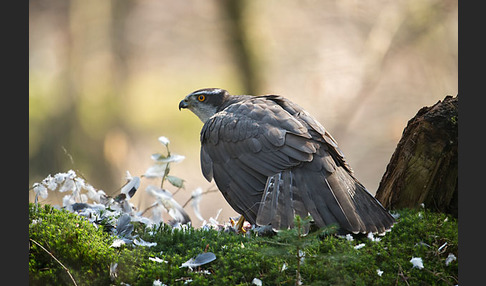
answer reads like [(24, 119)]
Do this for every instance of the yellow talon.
[(239, 225)]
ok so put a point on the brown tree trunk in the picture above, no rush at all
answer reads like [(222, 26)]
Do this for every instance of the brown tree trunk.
[(423, 168)]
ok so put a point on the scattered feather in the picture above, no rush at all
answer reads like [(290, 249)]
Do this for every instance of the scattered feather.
[(196, 199), (96, 196), (40, 190), (50, 183), (83, 198), (417, 262), (155, 171), (68, 200), (141, 242), (395, 215), (123, 226), (113, 270), (117, 243), (68, 185), (131, 186), (256, 281), (379, 272), (158, 260), (442, 247), (421, 243), (373, 238), (348, 237), (199, 260), (173, 158), (451, 257), (142, 219), (284, 267), (173, 208), (359, 246), (301, 255), (164, 140)]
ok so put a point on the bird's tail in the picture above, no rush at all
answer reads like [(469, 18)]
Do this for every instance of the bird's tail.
[(329, 197)]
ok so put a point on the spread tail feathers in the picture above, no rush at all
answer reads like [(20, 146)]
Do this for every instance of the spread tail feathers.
[(330, 198)]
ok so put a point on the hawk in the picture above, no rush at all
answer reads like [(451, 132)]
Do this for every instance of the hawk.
[(272, 160)]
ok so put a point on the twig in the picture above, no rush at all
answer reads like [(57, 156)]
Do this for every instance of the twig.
[(400, 274), (152, 206), (65, 268), (177, 191), (68, 155), (203, 193), (439, 275), (167, 168)]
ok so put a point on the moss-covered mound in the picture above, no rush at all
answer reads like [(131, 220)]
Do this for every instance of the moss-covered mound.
[(320, 258)]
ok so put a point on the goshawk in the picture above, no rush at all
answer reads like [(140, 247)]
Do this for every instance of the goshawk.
[(272, 160)]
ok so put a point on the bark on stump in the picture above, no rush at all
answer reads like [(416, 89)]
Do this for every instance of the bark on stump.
[(423, 168)]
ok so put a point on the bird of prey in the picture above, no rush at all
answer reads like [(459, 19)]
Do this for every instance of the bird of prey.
[(272, 160)]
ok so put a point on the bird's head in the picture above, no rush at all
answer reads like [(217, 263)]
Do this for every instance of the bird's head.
[(204, 102)]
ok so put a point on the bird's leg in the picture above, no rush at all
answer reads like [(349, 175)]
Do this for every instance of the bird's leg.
[(239, 225)]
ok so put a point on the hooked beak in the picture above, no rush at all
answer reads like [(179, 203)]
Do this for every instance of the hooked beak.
[(183, 104)]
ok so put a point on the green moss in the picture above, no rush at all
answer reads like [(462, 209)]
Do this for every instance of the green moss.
[(327, 259), (77, 244)]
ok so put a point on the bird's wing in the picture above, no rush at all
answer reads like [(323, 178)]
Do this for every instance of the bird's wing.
[(325, 187), (248, 142), (317, 131)]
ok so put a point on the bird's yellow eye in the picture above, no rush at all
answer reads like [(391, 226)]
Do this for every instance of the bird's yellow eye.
[(201, 98)]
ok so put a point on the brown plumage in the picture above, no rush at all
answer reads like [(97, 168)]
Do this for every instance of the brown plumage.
[(272, 160)]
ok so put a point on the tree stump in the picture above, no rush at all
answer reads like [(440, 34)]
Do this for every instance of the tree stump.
[(423, 168)]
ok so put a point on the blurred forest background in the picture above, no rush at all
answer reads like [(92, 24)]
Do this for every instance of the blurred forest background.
[(106, 77)]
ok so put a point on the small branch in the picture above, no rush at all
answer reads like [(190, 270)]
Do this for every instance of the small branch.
[(65, 268), (203, 193), (166, 173), (152, 206), (177, 191), (167, 167)]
